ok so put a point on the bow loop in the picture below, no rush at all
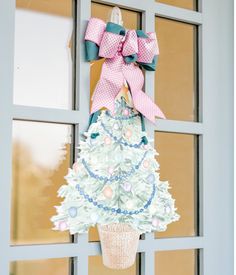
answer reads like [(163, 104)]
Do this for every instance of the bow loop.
[(112, 43), (147, 48), (95, 29), (109, 44), (130, 45)]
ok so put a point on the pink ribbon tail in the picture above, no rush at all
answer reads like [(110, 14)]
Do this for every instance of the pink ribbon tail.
[(107, 88), (142, 102), (146, 106), (102, 98)]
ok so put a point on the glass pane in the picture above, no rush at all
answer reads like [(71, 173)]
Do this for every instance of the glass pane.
[(178, 158), (131, 20), (41, 157), (186, 4), (43, 63), (38, 267), (96, 267), (175, 76), (93, 234), (178, 262)]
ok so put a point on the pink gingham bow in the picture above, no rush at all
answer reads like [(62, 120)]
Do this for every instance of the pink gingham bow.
[(116, 48)]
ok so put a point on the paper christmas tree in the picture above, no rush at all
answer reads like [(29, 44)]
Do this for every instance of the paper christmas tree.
[(115, 178)]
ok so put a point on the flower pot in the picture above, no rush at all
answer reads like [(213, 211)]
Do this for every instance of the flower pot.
[(119, 243)]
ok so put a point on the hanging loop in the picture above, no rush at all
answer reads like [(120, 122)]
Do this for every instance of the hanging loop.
[(116, 16)]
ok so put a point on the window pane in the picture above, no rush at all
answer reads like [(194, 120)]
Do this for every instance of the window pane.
[(178, 159), (178, 262), (96, 267), (131, 19), (186, 4), (93, 234), (43, 63), (41, 157), (175, 77), (39, 267)]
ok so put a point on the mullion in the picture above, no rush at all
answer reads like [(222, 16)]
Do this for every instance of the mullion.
[(175, 126), (7, 19), (46, 114), (147, 257), (77, 117), (82, 100), (163, 10), (82, 247), (178, 14), (134, 5)]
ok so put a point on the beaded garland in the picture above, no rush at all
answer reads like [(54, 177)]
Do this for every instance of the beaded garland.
[(117, 210), (136, 145), (124, 175), (121, 117)]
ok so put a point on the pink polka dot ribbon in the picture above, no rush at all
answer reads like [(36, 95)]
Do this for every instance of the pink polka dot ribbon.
[(115, 71)]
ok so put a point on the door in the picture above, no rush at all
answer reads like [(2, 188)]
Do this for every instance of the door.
[(45, 84)]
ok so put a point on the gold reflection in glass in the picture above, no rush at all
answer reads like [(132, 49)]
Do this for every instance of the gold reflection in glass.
[(131, 20), (186, 4), (177, 158), (178, 262), (175, 76), (41, 157), (96, 267), (93, 234), (38, 267), (43, 60)]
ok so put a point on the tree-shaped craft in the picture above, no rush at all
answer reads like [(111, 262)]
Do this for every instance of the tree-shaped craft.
[(115, 182)]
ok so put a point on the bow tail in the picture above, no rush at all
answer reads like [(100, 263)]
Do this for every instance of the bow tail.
[(102, 97), (106, 90), (144, 104)]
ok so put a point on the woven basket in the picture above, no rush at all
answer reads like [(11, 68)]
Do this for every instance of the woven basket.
[(119, 243)]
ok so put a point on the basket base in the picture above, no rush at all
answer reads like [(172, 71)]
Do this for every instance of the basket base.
[(119, 244)]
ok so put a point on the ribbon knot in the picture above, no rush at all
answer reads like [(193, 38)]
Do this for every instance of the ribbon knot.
[(121, 51), (125, 45)]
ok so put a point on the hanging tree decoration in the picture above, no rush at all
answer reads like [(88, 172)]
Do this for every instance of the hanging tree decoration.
[(114, 183)]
